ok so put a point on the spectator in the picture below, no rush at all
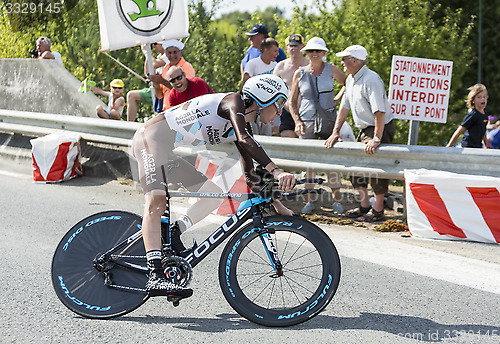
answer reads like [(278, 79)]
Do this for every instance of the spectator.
[(44, 52), (256, 36), (323, 76), (493, 132), (264, 64), (173, 50), (475, 122), (365, 97), (115, 100), (145, 96), (184, 88), (285, 70)]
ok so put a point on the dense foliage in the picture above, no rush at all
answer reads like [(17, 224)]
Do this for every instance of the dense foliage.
[(429, 29)]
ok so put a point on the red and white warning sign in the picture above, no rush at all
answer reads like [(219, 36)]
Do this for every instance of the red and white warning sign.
[(419, 89), (445, 205), (56, 157)]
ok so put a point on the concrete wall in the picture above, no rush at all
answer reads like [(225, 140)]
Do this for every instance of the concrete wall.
[(43, 86)]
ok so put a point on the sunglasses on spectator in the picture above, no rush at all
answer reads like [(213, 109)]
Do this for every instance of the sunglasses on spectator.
[(117, 88), (177, 78), (347, 58), (314, 51), (279, 103)]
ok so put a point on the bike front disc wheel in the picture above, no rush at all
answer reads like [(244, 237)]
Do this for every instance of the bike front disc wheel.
[(311, 272), (77, 282)]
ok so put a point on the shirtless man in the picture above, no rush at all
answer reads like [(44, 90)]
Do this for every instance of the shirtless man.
[(285, 70)]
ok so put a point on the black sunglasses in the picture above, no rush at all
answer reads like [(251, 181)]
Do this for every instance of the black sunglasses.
[(117, 88), (314, 51), (177, 78)]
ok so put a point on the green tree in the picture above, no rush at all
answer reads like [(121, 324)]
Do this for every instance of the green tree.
[(428, 29), (490, 69), (216, 57)]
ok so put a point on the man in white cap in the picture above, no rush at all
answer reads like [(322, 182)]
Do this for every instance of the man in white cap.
[(366, 98), (173, 50), (144, 96)]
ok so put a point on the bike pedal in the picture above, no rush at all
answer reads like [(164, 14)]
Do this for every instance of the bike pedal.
[(174, 299)]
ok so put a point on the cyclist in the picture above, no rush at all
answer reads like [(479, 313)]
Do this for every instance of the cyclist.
[(208, 119)]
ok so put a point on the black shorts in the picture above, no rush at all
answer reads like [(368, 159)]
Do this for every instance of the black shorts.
[(287, 122)]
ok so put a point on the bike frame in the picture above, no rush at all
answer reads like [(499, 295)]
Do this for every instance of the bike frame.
[(249, 209)]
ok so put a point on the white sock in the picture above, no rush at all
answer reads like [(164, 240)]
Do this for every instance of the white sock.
[(154, 254), (184, 223)]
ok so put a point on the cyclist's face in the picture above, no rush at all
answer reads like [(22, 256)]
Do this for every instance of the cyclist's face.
[(268, 114)]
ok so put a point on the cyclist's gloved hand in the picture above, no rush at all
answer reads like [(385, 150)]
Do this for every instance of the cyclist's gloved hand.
[(286, 181)]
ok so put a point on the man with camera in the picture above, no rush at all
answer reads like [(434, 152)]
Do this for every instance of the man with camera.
[(43, 51)]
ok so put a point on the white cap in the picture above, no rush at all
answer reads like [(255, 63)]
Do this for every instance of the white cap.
[(173, 43), (315, 43), (356, 51)]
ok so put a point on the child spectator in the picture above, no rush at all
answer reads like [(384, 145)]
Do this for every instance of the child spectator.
[(474, 123), (116, 102)]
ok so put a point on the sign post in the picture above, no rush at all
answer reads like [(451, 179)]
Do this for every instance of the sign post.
[(419, 91)]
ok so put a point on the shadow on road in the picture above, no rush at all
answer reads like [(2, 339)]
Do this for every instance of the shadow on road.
[(410, 327)]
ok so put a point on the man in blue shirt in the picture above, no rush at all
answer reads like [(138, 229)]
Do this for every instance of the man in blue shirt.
[(256, 36)]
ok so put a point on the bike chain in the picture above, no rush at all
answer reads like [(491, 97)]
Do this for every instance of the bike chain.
[(141, 290), (125, 256)]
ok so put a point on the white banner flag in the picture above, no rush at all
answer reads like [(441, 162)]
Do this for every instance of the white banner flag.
[(128, 23)]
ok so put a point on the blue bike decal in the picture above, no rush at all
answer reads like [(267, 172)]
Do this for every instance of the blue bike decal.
[(78, 302), (79, 230), (312, 305)]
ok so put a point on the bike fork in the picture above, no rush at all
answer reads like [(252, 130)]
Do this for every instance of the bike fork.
[(268, 244), (272, 253)]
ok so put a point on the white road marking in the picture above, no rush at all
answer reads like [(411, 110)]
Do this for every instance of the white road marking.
[(358, 244), (14, 174), (427, 262)]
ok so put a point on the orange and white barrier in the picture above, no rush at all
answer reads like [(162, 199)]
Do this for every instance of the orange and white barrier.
[(445, 205)]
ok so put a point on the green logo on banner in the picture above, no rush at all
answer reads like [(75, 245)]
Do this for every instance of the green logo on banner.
[(145, 17), (147, 8)]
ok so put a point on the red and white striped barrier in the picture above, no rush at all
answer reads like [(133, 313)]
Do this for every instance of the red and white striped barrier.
[(56, 157), (225, 171), (445, 205)]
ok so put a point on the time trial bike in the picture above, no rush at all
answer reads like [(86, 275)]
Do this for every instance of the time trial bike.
[(274, 270)]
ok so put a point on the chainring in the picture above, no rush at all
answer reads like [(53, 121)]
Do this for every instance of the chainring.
[(177, 270)]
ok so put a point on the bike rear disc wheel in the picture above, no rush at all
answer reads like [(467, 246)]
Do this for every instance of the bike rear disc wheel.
[(80, 286), (311, 272)]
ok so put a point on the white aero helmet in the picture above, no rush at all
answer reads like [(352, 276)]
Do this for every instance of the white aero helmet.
[(266, 89)]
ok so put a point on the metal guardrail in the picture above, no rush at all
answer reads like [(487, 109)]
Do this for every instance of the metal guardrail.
[(390, 161)]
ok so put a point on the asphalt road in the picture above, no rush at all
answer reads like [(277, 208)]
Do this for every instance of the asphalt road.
[(392, 290)]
